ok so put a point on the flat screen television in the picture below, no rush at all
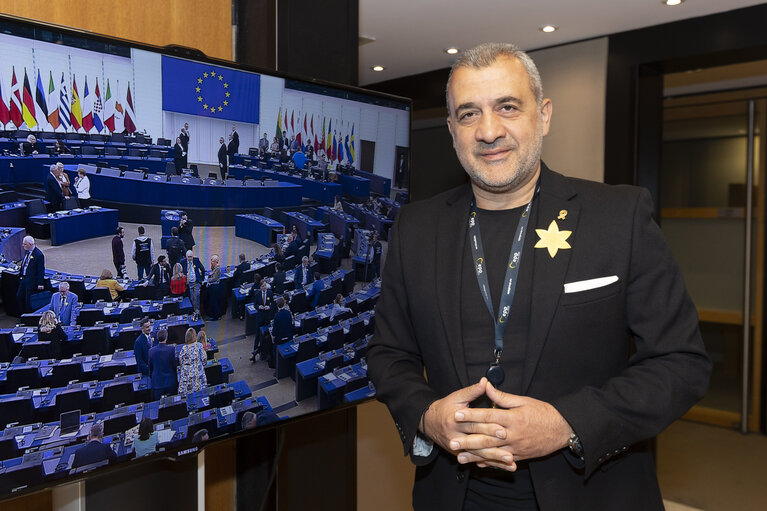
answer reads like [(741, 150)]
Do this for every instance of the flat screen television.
[(119, 107)]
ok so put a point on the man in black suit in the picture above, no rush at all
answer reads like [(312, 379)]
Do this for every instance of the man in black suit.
[(175, 248), (162, 367), (94, 449), (53, 192), (179, 156), (293, 246), (142, 346), (184, 136), (282, 324), (303, 275), (32, 274), (264, 302), (235, 138), (580, 319), (278, 279), (159, 276), (263, 145), (186, 232), (231, 148), (222, 153), (238, 277)]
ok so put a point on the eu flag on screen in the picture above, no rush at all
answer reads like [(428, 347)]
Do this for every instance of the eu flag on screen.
[(210, 91)]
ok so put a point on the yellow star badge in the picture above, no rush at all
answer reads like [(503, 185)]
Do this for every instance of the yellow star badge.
[(553, 239)]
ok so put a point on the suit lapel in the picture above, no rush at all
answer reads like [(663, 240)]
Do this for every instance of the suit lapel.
[(451, 238), (555, 201)]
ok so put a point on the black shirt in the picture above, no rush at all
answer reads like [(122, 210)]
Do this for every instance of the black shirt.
[(493, 488)]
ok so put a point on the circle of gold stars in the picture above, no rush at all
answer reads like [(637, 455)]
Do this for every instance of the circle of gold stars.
[(212, 75)]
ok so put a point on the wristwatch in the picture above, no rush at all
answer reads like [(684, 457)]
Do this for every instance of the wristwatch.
[(574, 443)]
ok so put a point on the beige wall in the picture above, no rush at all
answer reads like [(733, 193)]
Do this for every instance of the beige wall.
[(384, 474), (574, 77), (204, 25)]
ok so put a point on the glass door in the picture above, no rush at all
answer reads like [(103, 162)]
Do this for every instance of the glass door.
[(712, 214)]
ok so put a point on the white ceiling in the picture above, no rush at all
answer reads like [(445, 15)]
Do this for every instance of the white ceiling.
[(411, 35)]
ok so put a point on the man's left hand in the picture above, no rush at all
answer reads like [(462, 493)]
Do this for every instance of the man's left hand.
[(529, 429)]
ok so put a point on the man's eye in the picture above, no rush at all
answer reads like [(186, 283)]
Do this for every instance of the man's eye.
[(466, 116), (508, 108)]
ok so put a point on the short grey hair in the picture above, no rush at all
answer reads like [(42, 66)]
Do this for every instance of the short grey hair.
[(247, 419), (64, 285), (29, 239), (486, 54), (97, 430)]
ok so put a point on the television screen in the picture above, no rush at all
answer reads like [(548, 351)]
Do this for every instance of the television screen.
[(187, 248)]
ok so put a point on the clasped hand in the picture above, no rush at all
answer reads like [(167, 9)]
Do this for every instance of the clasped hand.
[(520, 428)]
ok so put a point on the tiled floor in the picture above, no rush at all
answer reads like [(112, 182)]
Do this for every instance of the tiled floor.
[(89, 257)]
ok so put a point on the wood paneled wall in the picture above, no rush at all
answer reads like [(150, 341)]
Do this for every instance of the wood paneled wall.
[(202, 24)]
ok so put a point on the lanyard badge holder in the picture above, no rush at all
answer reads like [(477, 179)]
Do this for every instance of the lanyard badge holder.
[(495, 373)]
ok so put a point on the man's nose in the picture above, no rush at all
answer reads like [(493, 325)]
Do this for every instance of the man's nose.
[(489, 129)]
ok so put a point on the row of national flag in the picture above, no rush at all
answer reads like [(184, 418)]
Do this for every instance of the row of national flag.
[(53, 108), (337, 143)]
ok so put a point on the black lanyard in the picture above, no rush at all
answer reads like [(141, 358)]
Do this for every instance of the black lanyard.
[(495, 373)]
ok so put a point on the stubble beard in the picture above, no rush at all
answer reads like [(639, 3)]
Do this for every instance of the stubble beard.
[(522, 168)]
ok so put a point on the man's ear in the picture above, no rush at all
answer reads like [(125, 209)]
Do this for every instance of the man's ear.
[(546, 111)]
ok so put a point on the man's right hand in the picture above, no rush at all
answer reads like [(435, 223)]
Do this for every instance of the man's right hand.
[(439, 419)]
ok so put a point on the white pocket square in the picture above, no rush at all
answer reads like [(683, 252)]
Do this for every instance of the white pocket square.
[(585, 285)]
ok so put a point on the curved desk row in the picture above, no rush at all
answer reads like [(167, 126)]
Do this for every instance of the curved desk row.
[(351, 185), (311, 188), (34, 169), (79, 225), (187, 192)]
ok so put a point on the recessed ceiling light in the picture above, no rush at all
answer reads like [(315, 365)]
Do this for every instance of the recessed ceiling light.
[(672, 2), (378, 68), (452, 50), (549, 28)]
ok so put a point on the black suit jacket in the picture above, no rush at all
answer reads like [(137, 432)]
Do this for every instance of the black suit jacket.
[(35, 275), (282, 326), (157, 269), (179, 157), (185, 234), (278, 282), (27, 149), (53, 193), (92, 452), (222, 152), (235, 143), (184, 140), (176, 251), (238, 277), (231, 148), (620, 362), (298, 276), (264, 315)]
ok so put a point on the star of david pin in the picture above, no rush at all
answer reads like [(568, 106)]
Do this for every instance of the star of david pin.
[(553, 239)]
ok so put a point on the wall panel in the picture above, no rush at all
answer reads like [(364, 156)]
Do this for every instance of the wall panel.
[(205, 25)]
